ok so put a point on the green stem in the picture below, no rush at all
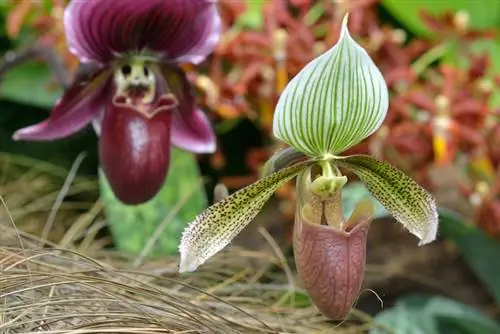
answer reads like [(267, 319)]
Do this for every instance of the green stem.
[(327, 169), (422, 63)]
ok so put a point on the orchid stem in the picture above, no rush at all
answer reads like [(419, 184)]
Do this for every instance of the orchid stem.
[(327, 169), (436, 53), (45, 53)]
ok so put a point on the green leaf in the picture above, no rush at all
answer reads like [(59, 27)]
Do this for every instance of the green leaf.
[(213, 229), (314, 14), (355, 192), (403, 319), (181, 198), (29, 84), (422, 314), (409, 203), (335, 101), (479, 250), (253, 17), (483, 14)]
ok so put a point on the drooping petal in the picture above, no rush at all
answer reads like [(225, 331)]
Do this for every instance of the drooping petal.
[(80, 103), (135, 151), (335, 101), (177, 30), (213, 229), (407, 201), (330, 260), (191, 129)]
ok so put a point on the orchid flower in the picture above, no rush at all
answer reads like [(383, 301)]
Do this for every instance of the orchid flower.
[(137, 97), (336, 101)]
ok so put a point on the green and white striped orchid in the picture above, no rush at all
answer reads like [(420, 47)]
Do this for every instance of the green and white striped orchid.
[(336, 101)]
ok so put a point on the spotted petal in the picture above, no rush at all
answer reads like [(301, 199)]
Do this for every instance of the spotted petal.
[(409, 203), (214, 228), (335, 101), (178, 30)]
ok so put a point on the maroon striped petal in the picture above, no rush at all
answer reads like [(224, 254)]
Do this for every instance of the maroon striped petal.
[(76, 109), (191, 129), (177, 30), (134, 150)]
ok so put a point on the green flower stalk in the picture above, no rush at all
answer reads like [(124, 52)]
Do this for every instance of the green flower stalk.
[(336, 101)]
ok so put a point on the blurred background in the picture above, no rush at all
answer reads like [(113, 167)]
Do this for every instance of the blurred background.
[(441, 61)]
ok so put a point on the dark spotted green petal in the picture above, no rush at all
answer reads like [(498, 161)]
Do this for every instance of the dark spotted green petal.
[(408, 202), (214, 228), (335, 101)]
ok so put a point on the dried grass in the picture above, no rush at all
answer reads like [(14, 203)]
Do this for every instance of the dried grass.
[(56, 291), (62, 286)]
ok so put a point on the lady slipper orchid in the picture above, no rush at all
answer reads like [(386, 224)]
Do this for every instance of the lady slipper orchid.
[(137, 97), (335, 102)]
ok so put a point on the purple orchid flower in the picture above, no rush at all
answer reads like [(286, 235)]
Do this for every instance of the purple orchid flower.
[(137, 97)]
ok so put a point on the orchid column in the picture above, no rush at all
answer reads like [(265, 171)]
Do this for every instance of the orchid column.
[(336, 101)]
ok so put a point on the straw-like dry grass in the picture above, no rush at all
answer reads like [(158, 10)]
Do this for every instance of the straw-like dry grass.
[(56, 277), (56, 291), (52, 290)]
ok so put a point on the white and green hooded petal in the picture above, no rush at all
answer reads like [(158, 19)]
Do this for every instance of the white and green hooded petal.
[(335, 102)]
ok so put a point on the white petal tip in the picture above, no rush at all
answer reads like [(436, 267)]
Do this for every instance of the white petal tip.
[(186, 266), (344, 30), (345, 20), (210, 148), (188, 262), (431, 234), (427, 240)]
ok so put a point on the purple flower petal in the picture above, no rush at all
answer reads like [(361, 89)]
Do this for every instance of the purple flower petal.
[(75, 110), (191, 129), (179, 30), (193, 132), (134, 150)]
